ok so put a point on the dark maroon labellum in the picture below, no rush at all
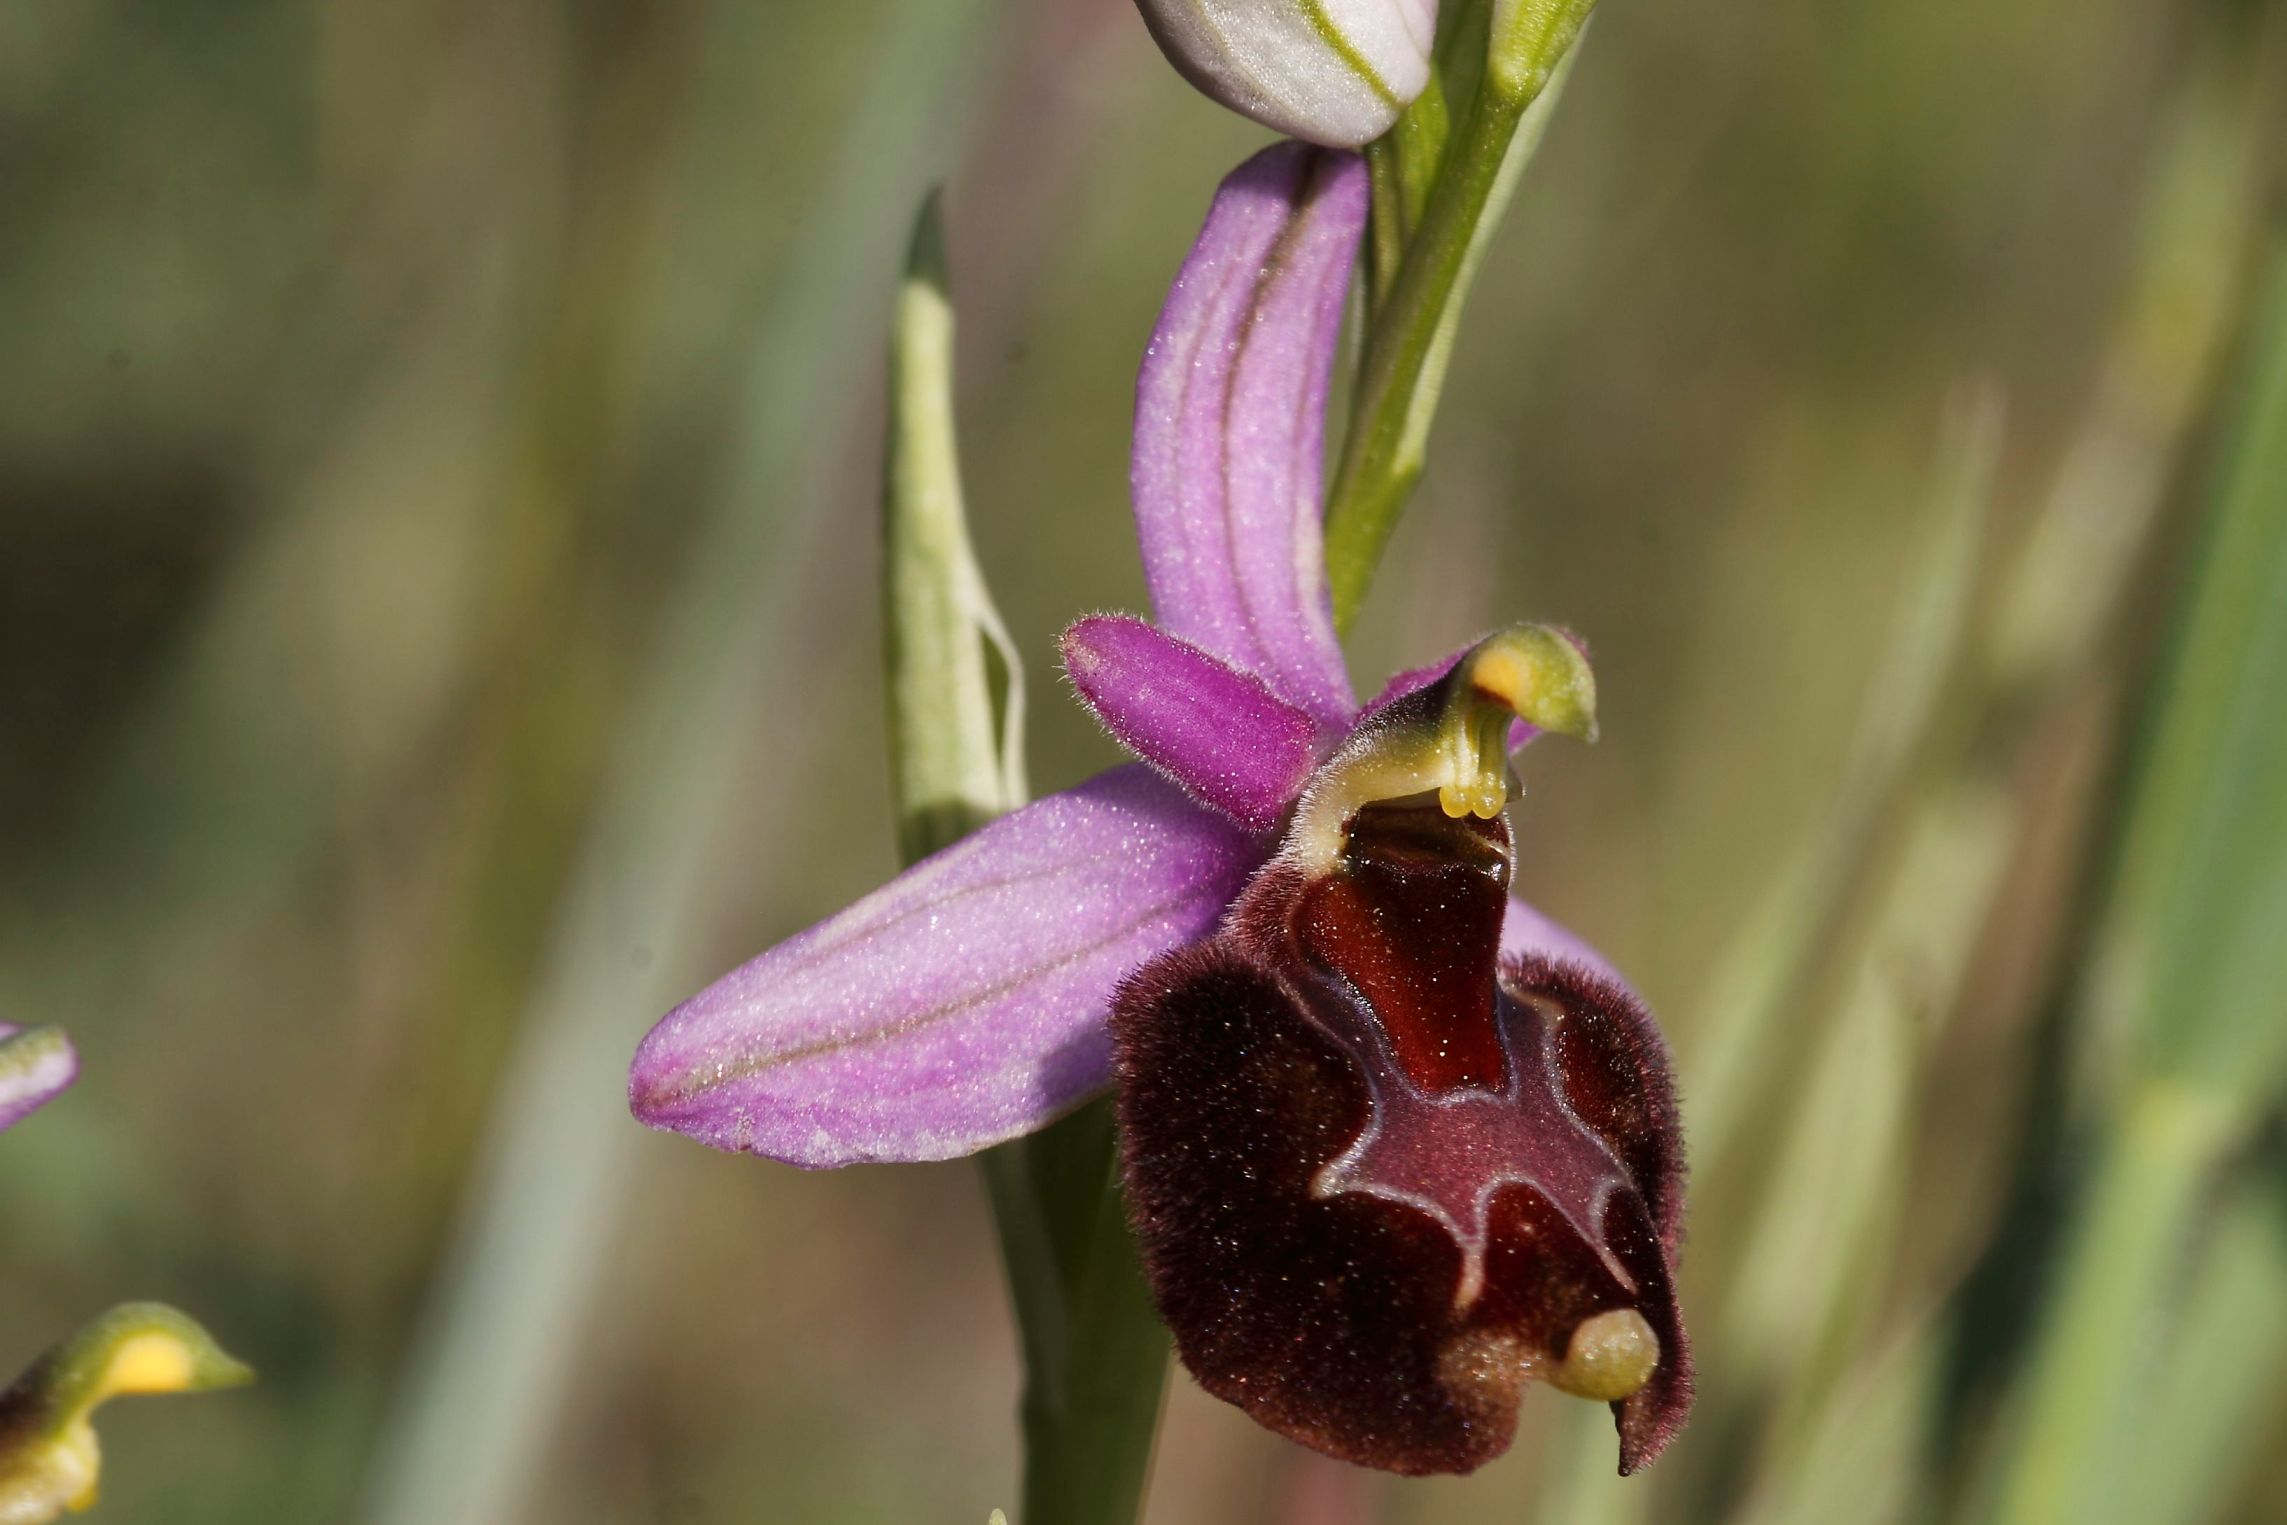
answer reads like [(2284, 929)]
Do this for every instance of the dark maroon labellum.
[(1384, 1178)]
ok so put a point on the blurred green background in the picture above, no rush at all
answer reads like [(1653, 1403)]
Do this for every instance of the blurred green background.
[(438, 492)]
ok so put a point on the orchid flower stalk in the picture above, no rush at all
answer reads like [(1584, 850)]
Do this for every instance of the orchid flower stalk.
[(1508, 59), (1395, 1143)]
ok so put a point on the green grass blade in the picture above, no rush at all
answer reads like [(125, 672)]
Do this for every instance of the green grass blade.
[(954, 762), (2203, 893), (2195, 962), (2219, 1389), (493, 1362)]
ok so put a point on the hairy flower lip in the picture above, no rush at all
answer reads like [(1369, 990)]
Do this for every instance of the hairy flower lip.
[(1389, 1378), (1565, 1134), (1463, 1111)]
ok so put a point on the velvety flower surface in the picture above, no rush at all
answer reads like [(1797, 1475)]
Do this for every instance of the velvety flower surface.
[(1385, 1173), (1396, 1144), (36, 1065)]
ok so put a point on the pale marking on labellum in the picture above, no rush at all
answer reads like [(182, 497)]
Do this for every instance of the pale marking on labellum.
[(1515, 1126)]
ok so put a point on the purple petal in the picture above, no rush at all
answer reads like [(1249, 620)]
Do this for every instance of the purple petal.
[(961, 1004), (1220, 733), (1230, 424), (36, 1064), (1527, 933)]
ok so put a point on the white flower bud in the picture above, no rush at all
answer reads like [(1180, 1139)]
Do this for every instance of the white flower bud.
[(1335, 72)]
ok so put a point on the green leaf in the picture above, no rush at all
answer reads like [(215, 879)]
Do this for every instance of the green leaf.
[(1095, 1356), (953, 766), (2194, 962), (1835, 1203), (1739, 1041), (2216, 1393), (1529, 40), (2203, 889), (1865, 1457)]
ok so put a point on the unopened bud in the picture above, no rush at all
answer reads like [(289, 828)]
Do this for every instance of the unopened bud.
[(35, 1064), (1335, 72)]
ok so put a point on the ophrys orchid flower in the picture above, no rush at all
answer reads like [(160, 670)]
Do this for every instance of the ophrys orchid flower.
[(49, 1459), (1395, 1143), (37, 1064)]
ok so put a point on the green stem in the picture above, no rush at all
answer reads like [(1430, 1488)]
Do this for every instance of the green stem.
[(1382, 458), (1386, 231), (1413, 329), (2190, 961), (1095, 1355), (2122, 1259), (1402, 166)]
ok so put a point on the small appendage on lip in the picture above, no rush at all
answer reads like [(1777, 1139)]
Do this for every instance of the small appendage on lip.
[(1609, 1358)]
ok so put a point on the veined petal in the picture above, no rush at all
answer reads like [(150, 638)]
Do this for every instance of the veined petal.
[(1220, 733), (1230, 424), (961, 1004), (1336, 72), (36, 1064)]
